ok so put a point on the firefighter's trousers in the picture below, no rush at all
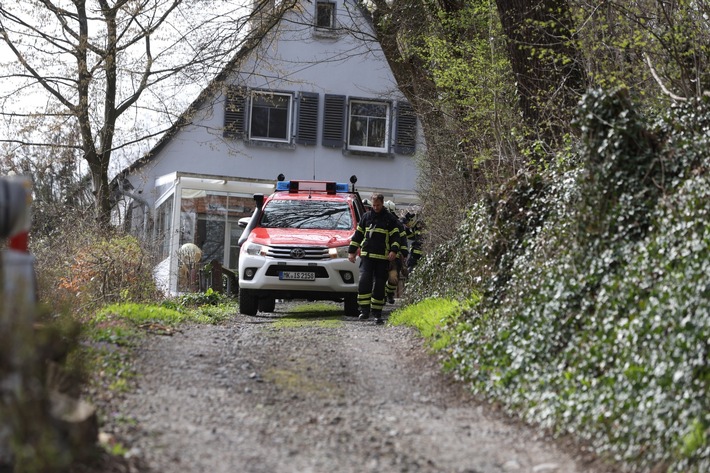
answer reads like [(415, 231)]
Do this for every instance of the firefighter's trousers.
[(371, 289)]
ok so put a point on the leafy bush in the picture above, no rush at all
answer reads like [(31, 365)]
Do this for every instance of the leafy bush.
[(82, 267), (479, 258), (595, 318), (196, 299)]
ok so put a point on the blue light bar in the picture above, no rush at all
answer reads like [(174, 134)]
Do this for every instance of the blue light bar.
[(295, 186)]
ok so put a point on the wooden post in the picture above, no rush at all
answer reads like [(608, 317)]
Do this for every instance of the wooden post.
[(217, 283)]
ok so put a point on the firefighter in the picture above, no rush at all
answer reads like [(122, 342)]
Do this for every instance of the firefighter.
[(377, 237), (396, 265), (415, 236)]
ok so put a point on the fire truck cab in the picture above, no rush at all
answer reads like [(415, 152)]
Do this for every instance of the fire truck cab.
[(295, 246)]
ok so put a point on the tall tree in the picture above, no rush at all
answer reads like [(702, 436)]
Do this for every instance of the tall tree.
[(544, 59), (119, 71), (450, 62)]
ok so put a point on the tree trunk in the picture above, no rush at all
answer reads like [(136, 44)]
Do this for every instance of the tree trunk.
[(100, 182), (543, 57), (414, 79)]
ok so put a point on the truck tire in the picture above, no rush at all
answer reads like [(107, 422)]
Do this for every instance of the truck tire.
[(351, 308), (248, 302), (267, 304)]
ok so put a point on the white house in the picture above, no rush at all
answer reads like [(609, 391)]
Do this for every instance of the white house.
[(311, 100)]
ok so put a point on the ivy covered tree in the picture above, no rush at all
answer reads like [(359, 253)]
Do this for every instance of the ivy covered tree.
[(496, 84)]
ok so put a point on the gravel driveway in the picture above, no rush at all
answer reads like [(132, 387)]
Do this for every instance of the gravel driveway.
[(320, 394)]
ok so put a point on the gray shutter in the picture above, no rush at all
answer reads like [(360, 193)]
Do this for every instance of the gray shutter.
[(406, 131), (235, 112), (307, 126), (333, 120)]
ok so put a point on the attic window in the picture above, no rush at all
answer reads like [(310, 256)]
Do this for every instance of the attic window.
[(325, 15)]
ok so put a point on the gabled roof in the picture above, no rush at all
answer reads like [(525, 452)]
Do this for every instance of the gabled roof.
[(251, 41)]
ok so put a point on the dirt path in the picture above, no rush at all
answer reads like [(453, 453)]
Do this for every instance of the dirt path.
[(257, 395)]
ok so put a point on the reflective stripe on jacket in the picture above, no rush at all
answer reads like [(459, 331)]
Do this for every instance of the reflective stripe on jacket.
[(376, 235)]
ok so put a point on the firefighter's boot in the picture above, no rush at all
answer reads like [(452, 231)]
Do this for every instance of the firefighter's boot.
[(364, 313), (378, 317)]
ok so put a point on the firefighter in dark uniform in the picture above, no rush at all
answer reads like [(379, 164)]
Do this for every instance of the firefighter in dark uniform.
[(415, 236), (396, 265), (378, 238)]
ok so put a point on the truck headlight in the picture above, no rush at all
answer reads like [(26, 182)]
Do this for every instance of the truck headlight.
[(254, 249), (338, 252)]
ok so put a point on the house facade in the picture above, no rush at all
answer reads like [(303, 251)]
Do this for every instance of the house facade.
[(311, 100)]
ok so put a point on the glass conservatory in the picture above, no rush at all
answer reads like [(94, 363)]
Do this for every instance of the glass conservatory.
[(196, 225)]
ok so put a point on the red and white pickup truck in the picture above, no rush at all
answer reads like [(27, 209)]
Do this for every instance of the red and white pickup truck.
[(295, 246)]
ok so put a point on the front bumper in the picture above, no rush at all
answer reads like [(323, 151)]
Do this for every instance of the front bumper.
[(336, 275)]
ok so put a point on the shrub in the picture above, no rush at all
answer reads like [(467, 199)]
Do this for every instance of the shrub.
[(84, 267)]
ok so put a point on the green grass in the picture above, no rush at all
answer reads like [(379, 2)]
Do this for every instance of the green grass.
[(430, 317), (112, 332), (143, 313)]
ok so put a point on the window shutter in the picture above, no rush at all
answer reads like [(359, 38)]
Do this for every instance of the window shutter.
[(307, 127), (333, 120), (406, 131), (235, 112)]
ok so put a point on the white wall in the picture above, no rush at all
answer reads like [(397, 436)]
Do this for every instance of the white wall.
[(292, 59)]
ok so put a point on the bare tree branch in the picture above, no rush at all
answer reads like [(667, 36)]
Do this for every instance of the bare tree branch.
[(92, 61), (660, 82)]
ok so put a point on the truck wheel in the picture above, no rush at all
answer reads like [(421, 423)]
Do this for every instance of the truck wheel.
[(351, 308), (248, 302), (267, 304)]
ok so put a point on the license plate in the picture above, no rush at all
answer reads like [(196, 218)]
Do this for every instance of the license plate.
[(298, 275)]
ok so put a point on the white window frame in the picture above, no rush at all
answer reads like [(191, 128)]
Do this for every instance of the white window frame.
[(289, 117), (332, 16), (368, 120)]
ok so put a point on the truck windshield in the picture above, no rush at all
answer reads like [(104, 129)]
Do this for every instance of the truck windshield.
[(308, 214)]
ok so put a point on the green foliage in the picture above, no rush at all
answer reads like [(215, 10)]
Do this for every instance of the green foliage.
[(470, 147), (164, 314), (595, 318), (625, 43), (486, 244)]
